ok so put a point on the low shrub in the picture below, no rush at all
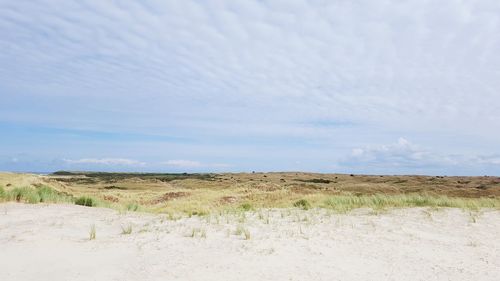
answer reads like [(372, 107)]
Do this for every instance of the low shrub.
[(246, 207), (132, 207), (85, 201), (303, 204)]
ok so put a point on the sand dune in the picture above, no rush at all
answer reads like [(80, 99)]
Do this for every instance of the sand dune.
[(51, 242)]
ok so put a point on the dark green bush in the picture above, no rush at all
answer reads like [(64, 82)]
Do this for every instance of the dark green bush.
[(303, 204), (85, 201), (246, 207)]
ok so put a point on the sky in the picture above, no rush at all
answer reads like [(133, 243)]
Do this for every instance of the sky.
[(333, 86)]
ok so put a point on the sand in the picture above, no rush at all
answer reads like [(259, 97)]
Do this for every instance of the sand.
[(51, 242)]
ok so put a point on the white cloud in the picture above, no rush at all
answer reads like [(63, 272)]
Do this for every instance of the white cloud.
[(401, 151), (406, 156), (106, 161), (193, 164), (182, 163)]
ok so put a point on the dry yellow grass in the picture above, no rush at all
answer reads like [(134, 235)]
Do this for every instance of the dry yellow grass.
[(203, 194)]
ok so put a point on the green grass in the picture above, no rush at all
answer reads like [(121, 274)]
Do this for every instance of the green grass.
[(2, 193), (246, 207), (86, 201), (50, 195), (343, 203), (302, 204), (42, 194), (133, 207)]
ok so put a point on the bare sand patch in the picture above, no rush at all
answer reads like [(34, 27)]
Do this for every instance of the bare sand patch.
[(51, 242)]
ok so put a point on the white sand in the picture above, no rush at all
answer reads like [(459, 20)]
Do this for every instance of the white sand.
[(50, 242)]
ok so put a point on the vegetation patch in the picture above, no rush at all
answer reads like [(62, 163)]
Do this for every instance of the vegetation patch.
[(86, 201), (169, 196), (381, 201), (115, 187), (302, 204), (92, 232), (194, 194), (113, 177), (314, 180), (32, 195), (127, 229), (246, 207), (133, 207)]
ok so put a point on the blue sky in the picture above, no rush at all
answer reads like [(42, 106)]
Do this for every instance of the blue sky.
[(380, 87)]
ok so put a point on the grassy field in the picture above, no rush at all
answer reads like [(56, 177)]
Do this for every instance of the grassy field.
[(198, 194)]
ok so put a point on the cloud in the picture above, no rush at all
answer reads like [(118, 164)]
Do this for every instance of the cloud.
[(251, 80), (182, 163), (106, 161), (406, 156), (401, 153), (288, 62), (193, 164)]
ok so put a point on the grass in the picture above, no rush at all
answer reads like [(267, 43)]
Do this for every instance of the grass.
[(127, 229), (246, 207), (241, 230), (41, 194), (474, 216), (379, 201), (86, 201), (92, 232), (133, 207), (200, 195), (302, 204), (198, 232)]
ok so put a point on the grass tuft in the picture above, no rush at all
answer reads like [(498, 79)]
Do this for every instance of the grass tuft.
[(127, 229), (302, 204), (86, 201), (246, 207), (246, 233), (133, 207), (92, 232), (198, 232), (241, 230)]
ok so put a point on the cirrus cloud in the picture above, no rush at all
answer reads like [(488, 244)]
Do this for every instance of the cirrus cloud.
[(106, 161), (258, 84)]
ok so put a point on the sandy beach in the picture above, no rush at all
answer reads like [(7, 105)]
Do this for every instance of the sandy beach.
[(51, 242)]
